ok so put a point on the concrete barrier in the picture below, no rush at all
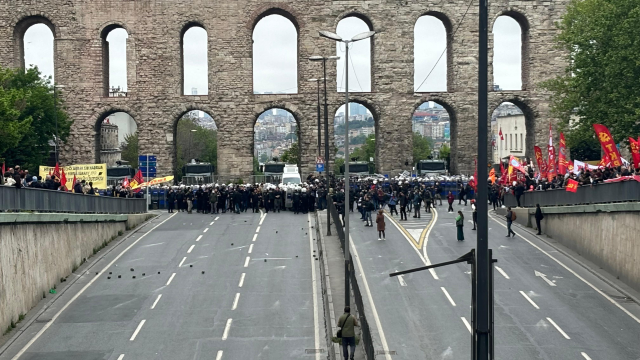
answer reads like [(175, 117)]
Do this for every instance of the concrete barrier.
[(37, 250)]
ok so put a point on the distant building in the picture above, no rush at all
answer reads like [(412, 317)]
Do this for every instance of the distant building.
[(194, 91), (109, 146), (514, 133)]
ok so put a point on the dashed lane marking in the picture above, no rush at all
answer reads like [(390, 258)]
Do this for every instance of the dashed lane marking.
[(122, 356), (258, 230), (225, 334), (199, 237), (156, 302), (211, 223), (466, 323), (502, 272), (255, 236), (182, 262), (135, 333), (246, 261), (401, 280), (241, 280), (205, 230), (190, 249), (219, 355), (217, 217), (559, 329), (170, 279), (446, 293), (235, 301), (250, 248), (585, 356), (529, 300)]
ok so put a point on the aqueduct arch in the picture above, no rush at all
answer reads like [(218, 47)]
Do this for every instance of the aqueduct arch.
[(155, 77)]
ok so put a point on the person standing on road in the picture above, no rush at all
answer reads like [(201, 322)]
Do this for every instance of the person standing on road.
[(510, 217), (381, 225), (171, 198), (416, 204), (368, 209), (450, 199), (392, 204), (347, 324), (460, 225), (189, 197), (403, 206), (474, 214), (539, 218)]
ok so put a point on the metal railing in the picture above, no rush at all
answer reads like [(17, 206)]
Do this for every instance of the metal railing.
[(41, 200), (598, 194), (367, 340)]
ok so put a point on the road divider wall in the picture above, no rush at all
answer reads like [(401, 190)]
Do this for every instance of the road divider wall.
[(38, 250)]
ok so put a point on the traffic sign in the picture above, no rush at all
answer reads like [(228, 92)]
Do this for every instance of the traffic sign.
[(319, 167), (143, 158), (319, 160)]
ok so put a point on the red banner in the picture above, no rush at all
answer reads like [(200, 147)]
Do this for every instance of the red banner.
[(572, 185), (551, 162), (562, 156), (635, 152), (514, 162), (541, 165), (608, 145)]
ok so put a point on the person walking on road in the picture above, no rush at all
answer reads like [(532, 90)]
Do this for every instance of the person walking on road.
[(416, 204), (460, 225), (511, 216), (381, 225), (474, 214), (392, 204), (347, 324), (450, 199), (539, 218), (403, 207), (369, 207)]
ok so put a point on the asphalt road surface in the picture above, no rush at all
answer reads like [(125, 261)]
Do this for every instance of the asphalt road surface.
[(546, 305), (206, 287)]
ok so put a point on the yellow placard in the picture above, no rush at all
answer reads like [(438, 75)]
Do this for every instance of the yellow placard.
[(96, 173), (155, 181)]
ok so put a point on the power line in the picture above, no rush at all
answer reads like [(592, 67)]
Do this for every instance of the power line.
[(447, 46), (354, 70)]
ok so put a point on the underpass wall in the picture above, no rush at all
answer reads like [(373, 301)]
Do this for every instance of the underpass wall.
[(37, 250)]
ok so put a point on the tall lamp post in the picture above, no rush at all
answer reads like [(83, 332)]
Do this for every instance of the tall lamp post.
[(55, 117), (347, 256), (326, 124)]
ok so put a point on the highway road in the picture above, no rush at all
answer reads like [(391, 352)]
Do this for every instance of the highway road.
[(189, 287), (546, 305)]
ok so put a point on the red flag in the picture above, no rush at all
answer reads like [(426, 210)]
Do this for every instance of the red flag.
[(125, 182), (540, 159), (73, 183), (500, 133), (551, 162), (475, 177), (514, 162), (63, 179), (608, 145), (635, 152), (562, 156), (137, 180), (56, 171), (572, 185)]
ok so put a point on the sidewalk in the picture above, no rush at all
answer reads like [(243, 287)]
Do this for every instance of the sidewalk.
[(333, 258)]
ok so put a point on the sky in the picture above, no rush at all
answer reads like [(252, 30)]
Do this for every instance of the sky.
[(275, 66)]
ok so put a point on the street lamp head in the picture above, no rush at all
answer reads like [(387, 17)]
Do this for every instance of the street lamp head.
[(313, 80), (330, 35), (193, 130), (362, 36), (316, 58), (334, 58)]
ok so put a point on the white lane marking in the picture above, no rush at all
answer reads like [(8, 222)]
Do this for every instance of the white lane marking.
[(190, 249), (530, 301), (235, 301), (156, 302), (199, 237), (558, 328), (211, 223), (219, 355), (446, 293), (246, 261), (401, 280), (544, 277), (258, 229), (250, 248), (255, 236), (205, 230), (262, 218), (135, 333), (424, 261), (47, 325), (316, 325), (466, 323), (217, 217), (502, 272), (182, 262), (576, 275), (122, 356), (383, 338), (241, 280), (225, 334), (171, 278), (426, 241), (585, 356)]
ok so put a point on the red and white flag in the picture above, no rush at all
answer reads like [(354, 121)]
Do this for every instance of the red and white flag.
[(551, 162), (125, 182), (500, 133)]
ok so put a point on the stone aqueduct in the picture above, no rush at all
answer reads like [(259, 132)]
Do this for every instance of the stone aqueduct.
[(156, 101)]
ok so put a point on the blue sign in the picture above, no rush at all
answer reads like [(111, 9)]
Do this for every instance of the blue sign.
[(152, 170), (143, 158), (319, 167)]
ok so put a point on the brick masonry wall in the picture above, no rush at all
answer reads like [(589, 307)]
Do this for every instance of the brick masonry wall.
[(156, 102)]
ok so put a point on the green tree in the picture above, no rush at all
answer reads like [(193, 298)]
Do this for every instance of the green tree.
[(357, 140), (337, 166), (256, 167), (366, 151), (201, 144), (421, 147), (291, 155), (130, 149), (28, 118), (264, 158), (600, 84), (445, 154)]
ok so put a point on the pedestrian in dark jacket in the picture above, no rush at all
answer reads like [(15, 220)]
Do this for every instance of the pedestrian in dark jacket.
[(539, 218), (381, 225), (403, 206), (509, 222), (171, 198), (450, 199)]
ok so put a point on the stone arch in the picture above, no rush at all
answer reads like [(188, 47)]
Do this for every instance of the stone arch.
[(104, 31), (375, 111), (522, 20), (261, 108), (359, 14), (530, 117), (448, 26), (453, 126), (100, 115), (176, 116), (20, 27), (275, 9), (188, 25)]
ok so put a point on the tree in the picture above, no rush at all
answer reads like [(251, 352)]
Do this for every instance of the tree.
[(28, 118), (337, 166), (291, 136), (357, 140), (291, 155), (600, 83), (445, 154), (130, 149), (264, 158), (421, 147), (201, 144), (366, 151)]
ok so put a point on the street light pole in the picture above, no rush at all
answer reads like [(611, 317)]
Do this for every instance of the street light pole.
[(347, 255)]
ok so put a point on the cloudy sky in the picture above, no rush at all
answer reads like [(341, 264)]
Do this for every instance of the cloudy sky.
[(275, 66)]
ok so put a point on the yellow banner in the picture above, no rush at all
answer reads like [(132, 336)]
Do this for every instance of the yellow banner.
[(155, 181), (96, 173)]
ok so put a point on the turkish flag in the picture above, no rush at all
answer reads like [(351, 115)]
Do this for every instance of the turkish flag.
[(125, 182), (63, 180), (56, 171), (500, 133), (572, 185)]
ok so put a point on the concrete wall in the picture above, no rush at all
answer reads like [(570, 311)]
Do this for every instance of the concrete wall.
[(605, 234), (36, 250)]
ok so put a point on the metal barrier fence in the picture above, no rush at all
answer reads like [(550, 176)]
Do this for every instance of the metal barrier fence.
[(624, 191), (40, 200), (367, 341)]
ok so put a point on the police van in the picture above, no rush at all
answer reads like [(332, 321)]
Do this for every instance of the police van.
[(291, 175)]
